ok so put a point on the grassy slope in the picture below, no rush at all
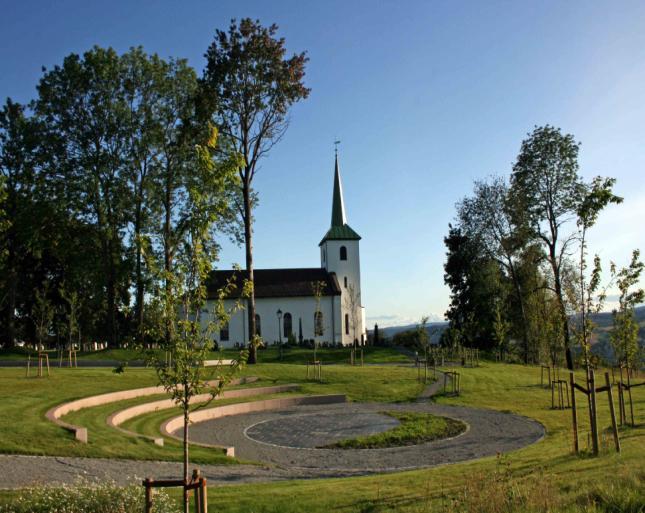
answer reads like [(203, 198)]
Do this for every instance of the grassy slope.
[(269, 355), (24, 401), (502, 387)]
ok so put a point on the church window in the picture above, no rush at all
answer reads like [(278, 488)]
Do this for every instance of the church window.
[(223, 333), (287, 325), (346, 324), (258, 325), (345, 281), (343, 253), (318, 324)]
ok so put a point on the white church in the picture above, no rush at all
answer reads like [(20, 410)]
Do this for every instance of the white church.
[(285, 302)]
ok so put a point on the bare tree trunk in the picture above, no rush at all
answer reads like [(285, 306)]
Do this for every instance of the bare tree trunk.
[(167, 257), (186, 421), (111, 294), (558, 292), (12, 281), (520, 298), (248, 242), (139, 274)]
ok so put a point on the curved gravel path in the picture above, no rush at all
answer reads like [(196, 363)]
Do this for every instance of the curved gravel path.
[(276, 438), (489, 432)]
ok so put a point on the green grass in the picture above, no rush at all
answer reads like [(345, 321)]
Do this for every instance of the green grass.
[(414, 428), (545, 473), (24, 402), (271, 354)]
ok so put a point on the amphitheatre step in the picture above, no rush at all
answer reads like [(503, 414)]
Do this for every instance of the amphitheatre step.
[(169, 427), (119, 417), (80, 432)]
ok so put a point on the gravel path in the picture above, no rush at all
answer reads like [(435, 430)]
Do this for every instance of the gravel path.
[(489, 432), (280, 442)]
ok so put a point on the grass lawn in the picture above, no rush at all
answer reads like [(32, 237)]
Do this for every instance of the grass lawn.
[(24, 402), (543, 474), (269, 355), (414, 428)]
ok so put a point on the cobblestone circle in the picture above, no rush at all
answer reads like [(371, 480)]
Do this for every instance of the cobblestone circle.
[(311, 430)]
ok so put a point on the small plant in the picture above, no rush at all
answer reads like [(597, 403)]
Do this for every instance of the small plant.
[(85, 497)]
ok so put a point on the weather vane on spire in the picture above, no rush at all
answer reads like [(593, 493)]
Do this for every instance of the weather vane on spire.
[(336, 143)]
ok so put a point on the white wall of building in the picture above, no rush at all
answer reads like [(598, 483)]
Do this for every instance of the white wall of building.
[(299, 308), (348, 273)]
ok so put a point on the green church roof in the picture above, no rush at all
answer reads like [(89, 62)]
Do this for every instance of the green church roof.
[(344, 232), (339, 230)]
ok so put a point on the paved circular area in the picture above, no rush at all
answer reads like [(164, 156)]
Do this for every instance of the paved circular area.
[(488, 433), (308, 431)]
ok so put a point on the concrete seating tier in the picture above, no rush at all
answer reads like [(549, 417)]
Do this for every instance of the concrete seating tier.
[(80, 433), (169, 427), (118, 418)]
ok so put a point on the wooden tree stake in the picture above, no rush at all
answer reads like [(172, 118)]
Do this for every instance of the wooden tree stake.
[(612, 411), (574, 413), (594, 414)]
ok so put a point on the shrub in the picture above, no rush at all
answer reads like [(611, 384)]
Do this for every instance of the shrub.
[(86, 497)]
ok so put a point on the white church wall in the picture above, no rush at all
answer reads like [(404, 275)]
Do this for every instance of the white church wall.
[(348, 273), (299, 308)]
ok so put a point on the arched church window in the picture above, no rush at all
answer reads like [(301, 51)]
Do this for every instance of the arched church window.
[(258, 325), (346, 324), (345, 281), (343, 253), (287, 327), (223, 333), (318, 324)]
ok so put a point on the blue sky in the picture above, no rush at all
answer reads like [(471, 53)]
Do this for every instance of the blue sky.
[(426, 96)]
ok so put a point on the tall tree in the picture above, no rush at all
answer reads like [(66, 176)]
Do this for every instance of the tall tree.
[(488, 216), (83, 106), (597, 196), (18, 142), (549, 190), (475, 281), (250, 86), (181, 296), (143, 93)]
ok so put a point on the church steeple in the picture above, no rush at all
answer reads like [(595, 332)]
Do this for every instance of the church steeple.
[(338, 206), (339, 229)]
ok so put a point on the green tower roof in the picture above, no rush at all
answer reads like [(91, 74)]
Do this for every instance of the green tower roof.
[(339, 230)]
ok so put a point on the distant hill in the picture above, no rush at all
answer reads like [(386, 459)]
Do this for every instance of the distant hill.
[(434, 329), (600, 340), (600, 343)]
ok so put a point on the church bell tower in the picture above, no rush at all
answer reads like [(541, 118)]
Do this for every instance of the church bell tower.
[(339, 254)]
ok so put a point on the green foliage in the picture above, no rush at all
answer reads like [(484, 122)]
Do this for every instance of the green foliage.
[(85, 497), (475, 281), (500, 328), (548, 191), (624, 336), (42, 315), (248, 88), (414, 428), (187, 335)]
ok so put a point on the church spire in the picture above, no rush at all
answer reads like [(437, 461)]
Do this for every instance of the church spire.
[(339, 229), (338, 206)]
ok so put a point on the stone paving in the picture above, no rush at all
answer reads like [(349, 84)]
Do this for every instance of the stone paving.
[(311, 430)]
